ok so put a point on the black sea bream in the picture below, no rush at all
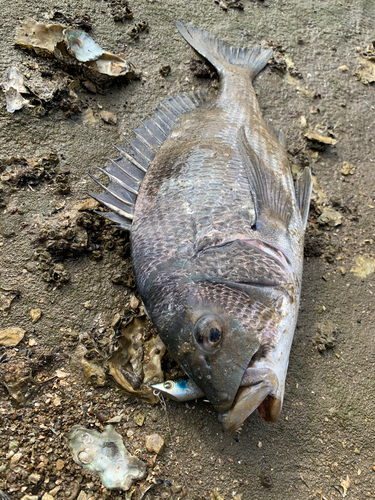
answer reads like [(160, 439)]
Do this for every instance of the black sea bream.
[(217, 230)]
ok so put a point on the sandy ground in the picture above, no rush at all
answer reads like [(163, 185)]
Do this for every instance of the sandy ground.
[(322, 447)]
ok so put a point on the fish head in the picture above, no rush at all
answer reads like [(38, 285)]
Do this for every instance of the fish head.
[(221, 330)]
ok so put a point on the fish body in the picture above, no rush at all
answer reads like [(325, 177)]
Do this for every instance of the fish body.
[(217, 230)]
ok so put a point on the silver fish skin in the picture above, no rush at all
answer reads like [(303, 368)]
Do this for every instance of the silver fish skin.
[(217, 232)]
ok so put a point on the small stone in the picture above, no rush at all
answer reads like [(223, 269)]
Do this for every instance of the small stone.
[(133, 302), (13, 445), (30, 497), (347, 168), (165, 70), (60, 464), (139, 418), (87, 305), (108, 117), (260, 444), (343, 271), (15, 459), (116, 321), (11, 337), (32, 342), (330, 217), (61, 373), (88, 205), (35, 315), (47, 496), (82, 495), (155, 443), (55, 490), (114, 420), (34, 478), (89, 86), (56, 401), (343, 68)]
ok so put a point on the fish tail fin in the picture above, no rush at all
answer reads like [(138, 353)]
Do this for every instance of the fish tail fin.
[(222, 55)]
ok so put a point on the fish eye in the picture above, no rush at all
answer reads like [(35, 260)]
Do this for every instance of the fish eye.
[(208, 332)]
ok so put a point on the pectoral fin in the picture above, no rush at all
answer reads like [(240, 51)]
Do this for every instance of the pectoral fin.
[(270, 197), (304, 187)]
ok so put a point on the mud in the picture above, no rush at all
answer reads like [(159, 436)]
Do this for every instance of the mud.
[(325, 433)]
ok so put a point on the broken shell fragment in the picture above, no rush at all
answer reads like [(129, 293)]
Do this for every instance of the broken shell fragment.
[(12, 87), (11, 337), (74, 48), (82, 46), (313, 136), (38, 36), (105, 454), (137, 363)]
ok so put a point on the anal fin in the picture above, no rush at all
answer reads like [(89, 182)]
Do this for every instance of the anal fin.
[(304, 187), (270, 196)]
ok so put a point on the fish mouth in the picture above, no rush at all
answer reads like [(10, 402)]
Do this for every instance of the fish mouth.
[(258, 390)]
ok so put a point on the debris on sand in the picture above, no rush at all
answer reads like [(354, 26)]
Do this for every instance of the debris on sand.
[(281, 62), (76, 50), (165, 70), (318, 141), (136, 364), (325, 337), (10, 337), (365, 72), (105, 454), (215, 495), (230, 4), (345, 485), (13, 86), (137, 29), (79, 21), (202, 69), (120, 10), (347, 168), (155, 444), (330, 217), (35, 315), (364, 266), (108, 117)]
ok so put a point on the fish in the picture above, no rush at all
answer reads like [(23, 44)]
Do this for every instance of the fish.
[(217, 233)]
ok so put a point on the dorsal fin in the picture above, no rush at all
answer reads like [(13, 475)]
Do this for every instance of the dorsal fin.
[(127, 171)]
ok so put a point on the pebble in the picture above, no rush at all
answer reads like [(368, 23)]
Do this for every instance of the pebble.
[(15, 459), (60, 464), (35, 315), (10, 337), (108, 117), (155, 443), (34, 478), (114, 420), (47, 496)]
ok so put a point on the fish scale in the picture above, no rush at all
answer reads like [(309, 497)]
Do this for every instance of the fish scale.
[(217, 229)]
